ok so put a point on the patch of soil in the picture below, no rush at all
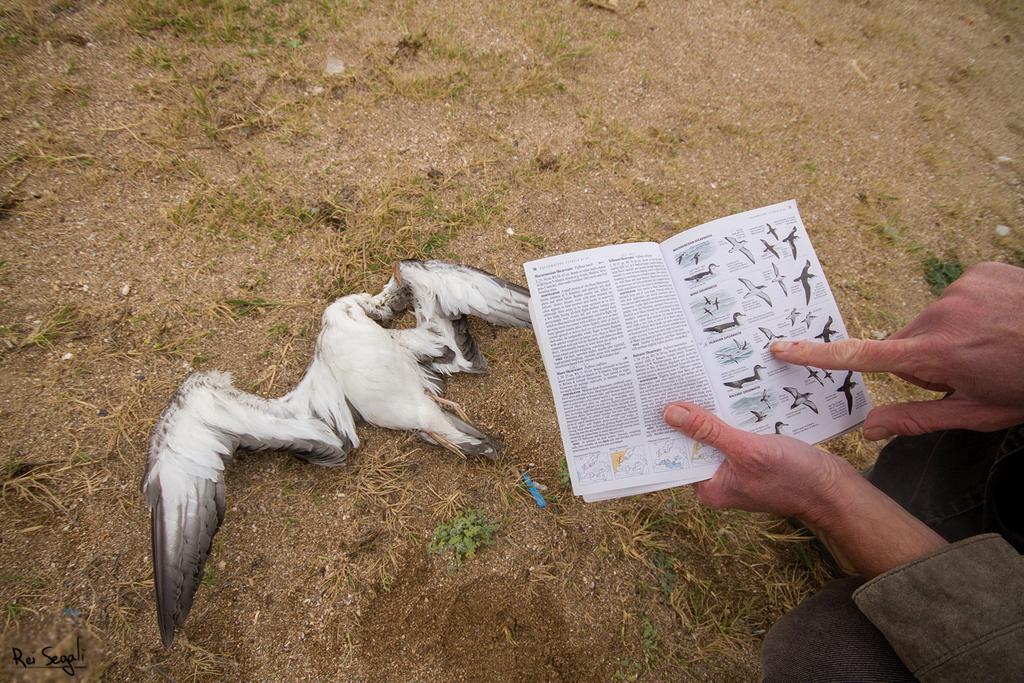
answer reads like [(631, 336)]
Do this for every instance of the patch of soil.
[(473, 627)]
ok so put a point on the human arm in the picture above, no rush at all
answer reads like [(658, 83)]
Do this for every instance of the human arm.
[(785, 476), (969, 344)]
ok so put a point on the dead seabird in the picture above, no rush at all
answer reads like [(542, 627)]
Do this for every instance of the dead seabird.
[(359, 370)]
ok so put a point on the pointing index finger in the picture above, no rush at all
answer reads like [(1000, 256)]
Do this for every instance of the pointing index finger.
[(865, 355)]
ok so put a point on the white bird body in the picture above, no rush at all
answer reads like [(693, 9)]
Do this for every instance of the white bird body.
[(384, 375), (379, 377)]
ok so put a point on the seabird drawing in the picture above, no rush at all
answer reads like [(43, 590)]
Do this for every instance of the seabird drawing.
[(707, 301), (764, 398), (805, 279), (771, 231), (769, 249), (755, 290), (716, 303), (740, 347), (707, 312), (847, 388), (718, 329), (828, 376), (806, 322), (792, 316), (791, 239), (779, 279), (360, 371), (779, 426), (813, 374), (800, 399), (826, 332), (738, 383), (758, 417), (737, 245), (769, 336), (696, 258), (697, 277)]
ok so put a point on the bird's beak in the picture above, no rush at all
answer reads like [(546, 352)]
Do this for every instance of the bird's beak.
[(396, 274)]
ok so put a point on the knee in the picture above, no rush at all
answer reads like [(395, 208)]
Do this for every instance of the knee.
[(826, 638)]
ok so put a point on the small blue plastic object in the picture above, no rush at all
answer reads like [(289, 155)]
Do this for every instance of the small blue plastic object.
[(534, 491)]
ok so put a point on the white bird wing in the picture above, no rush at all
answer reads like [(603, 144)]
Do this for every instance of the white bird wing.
[(746, 252), (792, 392), (197, 433), (764, 297), (449, 290)]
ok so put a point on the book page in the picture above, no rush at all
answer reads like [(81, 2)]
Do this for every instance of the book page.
[(617, 348), (748, 280)]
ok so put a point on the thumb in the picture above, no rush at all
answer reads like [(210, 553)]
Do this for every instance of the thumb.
[(921, 417), (865, 355), (703, 426)]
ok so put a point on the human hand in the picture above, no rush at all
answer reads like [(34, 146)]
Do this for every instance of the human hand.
[(970, 343), (864, 528), (777, 474)]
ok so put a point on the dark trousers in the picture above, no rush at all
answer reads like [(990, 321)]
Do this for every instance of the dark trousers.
[(959, 483)]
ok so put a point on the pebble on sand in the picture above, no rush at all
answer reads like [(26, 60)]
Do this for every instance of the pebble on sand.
[(334, 66), (1002, 230)]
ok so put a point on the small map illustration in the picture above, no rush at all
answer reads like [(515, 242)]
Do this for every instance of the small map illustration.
[(628, 461), (672, 455), (705, 454), (592, 468)]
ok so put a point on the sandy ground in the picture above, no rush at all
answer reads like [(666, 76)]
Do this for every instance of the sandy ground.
[(183, 186)]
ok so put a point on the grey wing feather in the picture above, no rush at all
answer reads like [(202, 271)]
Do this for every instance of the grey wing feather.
[(197, 433), (449, 290), (469, 358)]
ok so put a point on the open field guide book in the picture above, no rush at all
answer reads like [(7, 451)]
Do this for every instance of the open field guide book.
[(626, 329)]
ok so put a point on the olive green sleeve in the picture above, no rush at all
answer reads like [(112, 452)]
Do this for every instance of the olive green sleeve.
[(956, 614)]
